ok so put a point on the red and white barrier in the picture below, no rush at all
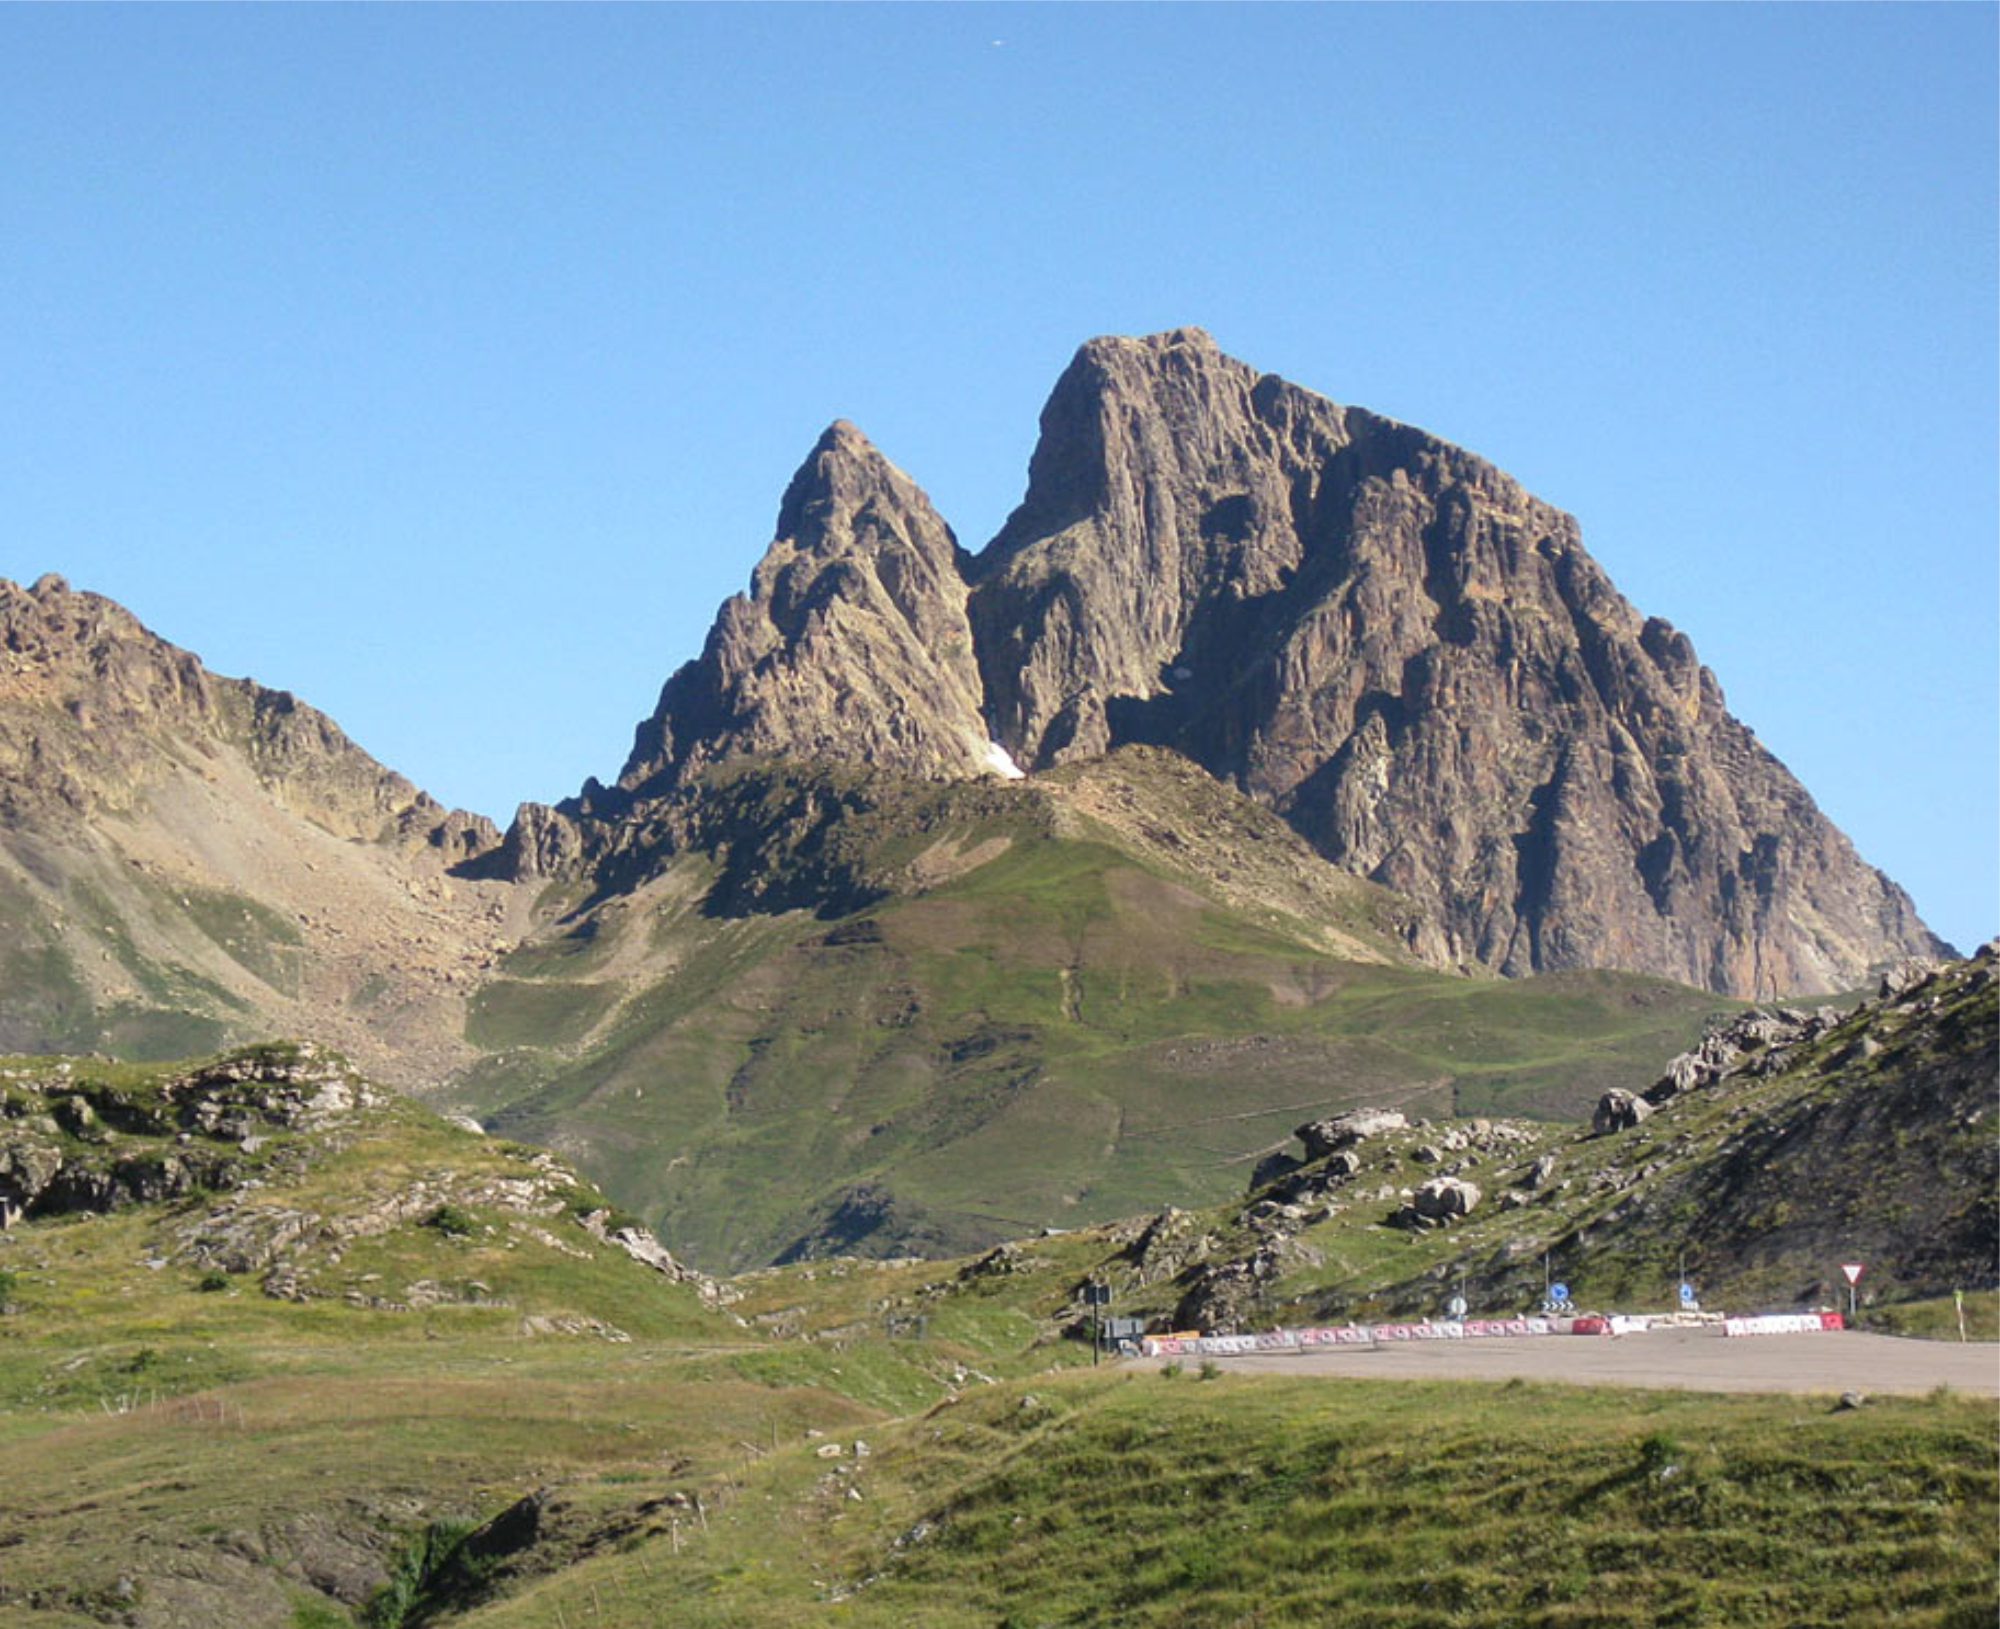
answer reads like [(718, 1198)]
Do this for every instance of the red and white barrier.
[(1784, 1323), (1305, 1340)]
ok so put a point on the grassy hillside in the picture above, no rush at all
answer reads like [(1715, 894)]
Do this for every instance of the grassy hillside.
[(355, 1321), (802, 1011), (376, 1370), (1873, 1142), (1098, 1500), (1030, 1013)]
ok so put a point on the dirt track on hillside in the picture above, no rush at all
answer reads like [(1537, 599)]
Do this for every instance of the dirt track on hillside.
[(1680, 1359)]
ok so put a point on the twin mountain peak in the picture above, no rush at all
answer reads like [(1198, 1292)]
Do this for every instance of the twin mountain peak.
[(1374, 634)]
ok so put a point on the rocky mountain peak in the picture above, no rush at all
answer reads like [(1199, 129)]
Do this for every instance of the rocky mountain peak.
[(88, 655), (1161, 501), (187, 858), (850, 643), (1416, 662), (843, 468), (1377, 634), (1123, 411)]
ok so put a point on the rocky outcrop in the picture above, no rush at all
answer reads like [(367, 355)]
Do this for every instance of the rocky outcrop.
[(1329, 1136), (643, 1248), (1905, 976), (851, 644), (1172, 1242), (1229, 1296), (540, 842), (71, 1142), (1753, 1043)]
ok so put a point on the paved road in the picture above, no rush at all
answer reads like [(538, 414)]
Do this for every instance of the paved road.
[(1680, 1359)]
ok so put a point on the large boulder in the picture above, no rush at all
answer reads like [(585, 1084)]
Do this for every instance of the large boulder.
[(1329, 1136), (1903, 976), (1445, 1199), (1618, 1110)]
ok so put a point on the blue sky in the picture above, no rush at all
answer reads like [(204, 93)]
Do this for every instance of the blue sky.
[(445, 364)]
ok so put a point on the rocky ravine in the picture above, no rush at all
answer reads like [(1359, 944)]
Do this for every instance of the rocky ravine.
[(1376, 634)]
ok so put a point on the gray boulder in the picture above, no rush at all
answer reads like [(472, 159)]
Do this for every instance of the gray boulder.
[(1904, 976), (1445, 1199), (1329, 1136), (1618, 1110)]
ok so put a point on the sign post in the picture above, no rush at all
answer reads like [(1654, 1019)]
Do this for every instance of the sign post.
[(1853, 1271), (1099, 1296)]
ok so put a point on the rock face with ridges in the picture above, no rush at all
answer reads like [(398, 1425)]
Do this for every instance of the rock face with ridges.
[(88, 696), (187, 859), (1413, 660), (851, 644), (1376, 634)]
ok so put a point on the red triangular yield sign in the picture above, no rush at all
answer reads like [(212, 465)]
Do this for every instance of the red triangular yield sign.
[(1853, 1271)]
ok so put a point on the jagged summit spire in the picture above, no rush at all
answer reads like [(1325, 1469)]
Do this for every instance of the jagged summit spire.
[(844, 473), (850, 644)]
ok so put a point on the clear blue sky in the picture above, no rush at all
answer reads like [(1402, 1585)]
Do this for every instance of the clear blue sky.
[(445, 365)]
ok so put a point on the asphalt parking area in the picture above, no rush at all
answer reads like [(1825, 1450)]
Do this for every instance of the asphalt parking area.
[(1689, 1359)]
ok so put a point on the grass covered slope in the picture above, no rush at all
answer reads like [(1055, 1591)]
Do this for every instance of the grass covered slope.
[(1134, 1499), (1872, 1141), (349, 1364), (1045, 1004), (263, 1327)]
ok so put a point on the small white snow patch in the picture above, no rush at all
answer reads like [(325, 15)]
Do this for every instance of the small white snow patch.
[(999, 761)]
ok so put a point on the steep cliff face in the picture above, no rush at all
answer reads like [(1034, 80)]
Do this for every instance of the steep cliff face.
[(851, 644), (1413, 660)]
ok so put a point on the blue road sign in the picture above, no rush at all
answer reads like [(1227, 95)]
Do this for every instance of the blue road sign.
[(1558, 1292), (1687, 1295)]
